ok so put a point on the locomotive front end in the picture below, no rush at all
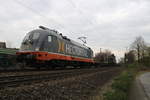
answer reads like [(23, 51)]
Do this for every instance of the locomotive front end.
[(31, 47)]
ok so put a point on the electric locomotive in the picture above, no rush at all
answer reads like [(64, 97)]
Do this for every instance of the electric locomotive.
[(44, 47)]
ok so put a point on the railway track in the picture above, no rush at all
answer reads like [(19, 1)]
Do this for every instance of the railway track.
[(37, 71), (17, 80)]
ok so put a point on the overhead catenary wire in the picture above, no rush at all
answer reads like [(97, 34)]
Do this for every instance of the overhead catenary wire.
[(45, 18), (41, 15), (37, 13), (80, 11)]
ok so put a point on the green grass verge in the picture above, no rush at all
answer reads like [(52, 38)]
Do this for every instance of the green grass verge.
[(121, 84)]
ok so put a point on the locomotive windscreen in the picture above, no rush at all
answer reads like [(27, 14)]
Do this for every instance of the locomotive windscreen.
[(30, 41)]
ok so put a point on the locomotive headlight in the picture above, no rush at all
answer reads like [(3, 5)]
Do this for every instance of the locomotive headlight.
[(36, 49)]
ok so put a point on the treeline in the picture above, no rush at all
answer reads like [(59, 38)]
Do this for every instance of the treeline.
[(139, 51), (105, 56)]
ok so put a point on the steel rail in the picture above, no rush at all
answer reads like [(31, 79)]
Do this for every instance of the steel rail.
[(12, 81)]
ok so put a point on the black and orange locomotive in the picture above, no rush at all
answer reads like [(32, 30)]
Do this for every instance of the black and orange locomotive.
[(46, 47)]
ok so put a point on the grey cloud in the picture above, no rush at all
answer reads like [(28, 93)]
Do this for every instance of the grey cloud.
[(107, 23)]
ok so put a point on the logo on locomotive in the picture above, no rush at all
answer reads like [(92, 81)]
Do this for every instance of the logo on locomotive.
[(75, 50)]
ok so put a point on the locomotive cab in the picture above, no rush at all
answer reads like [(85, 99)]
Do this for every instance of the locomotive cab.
[(32, 42), (36, 44), (39, 40)]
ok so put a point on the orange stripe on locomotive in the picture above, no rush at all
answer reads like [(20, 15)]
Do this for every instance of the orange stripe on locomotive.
[(45, 56)]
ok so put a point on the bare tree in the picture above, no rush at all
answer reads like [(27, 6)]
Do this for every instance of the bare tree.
[(148, 51), (105, 57), (130, 56), (139, 46)]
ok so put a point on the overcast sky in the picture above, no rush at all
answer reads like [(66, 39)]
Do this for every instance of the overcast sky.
[(107, 24)]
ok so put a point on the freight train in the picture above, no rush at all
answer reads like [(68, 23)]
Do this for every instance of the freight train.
[(44, 47), (7, 57)]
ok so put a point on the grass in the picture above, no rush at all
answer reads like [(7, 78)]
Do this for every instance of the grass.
[(121, 84), (118, 88)]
